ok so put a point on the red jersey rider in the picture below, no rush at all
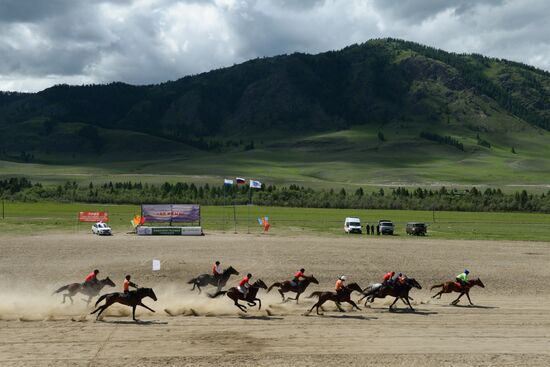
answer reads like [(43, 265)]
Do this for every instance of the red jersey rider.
[(127, 284), (244, 285), (91, 279), (297, 276)]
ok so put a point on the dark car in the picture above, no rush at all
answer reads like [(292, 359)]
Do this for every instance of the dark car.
[(417, 229)]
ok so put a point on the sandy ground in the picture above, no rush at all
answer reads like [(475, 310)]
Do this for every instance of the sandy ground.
[(508, 326)]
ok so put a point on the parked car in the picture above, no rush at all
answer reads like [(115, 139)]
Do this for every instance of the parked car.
[(101, 228), (416, 228), (386, 226), (352, 225)]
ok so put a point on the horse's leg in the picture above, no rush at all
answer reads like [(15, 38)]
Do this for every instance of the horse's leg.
[(282, 294), (241, 307), (134, 312), (88, 301), (150, 309), (298, 296), (394, 301), (457, 300), (339, 307), (353, 304), (199, 287), (194, 285), (259, 303), (468, 295), (409, 303)]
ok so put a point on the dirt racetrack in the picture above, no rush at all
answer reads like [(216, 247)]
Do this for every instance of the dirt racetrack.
[(508, 326)]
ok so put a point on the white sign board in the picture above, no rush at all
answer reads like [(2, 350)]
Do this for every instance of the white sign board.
[(156, 265)]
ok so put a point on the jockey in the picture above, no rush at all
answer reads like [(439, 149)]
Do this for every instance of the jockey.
[(216, 270), (296, 280), (91, 279), (388, 277), (463, 278), (340, 286), (127, 284), (244, 285)]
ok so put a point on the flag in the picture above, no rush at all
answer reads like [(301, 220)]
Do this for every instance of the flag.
[(240, 181), (255, 184), (227, 182)]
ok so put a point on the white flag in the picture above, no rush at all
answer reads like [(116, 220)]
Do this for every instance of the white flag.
[(255, 184), (156, 265)]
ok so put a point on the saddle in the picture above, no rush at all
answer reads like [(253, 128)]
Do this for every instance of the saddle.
[(458, 284)]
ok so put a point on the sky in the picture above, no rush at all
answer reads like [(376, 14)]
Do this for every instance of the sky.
[(48, 42)]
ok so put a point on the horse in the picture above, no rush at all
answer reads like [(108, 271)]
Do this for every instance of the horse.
[(132, 299), (398, 291), (237, 295), (344, 296), (453, 286), (208, 279), (90, 290), (286, 286)]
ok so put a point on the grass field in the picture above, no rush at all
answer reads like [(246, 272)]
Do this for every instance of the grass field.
[(349, 159), (25, 218)]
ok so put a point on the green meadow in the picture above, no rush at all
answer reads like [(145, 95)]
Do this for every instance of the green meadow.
[(51, 217)]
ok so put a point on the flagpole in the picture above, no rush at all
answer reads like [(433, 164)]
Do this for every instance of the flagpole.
[(249, 204)]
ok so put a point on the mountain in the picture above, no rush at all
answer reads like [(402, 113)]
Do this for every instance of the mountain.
[(402, 104)]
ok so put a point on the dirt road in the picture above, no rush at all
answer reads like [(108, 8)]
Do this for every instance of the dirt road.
[(510, 324)]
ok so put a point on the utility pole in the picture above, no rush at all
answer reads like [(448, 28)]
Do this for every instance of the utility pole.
[(3, 209)]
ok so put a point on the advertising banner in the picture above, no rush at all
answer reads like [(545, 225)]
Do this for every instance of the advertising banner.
[(93, 217), (166, 213)]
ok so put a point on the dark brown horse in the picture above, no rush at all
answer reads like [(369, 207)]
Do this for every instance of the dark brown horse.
[(90, 290), (132, 299), (287, 286), (251, 298), (452, 286), (399, 291), (344, 296), (208, 279)]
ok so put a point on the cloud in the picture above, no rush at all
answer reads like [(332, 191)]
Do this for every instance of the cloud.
[(150, 41)]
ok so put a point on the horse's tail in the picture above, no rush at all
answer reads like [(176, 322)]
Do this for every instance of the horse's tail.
[(101, 299), (218, 293), (314, 294), (192, 281), (436, 286), (274, 285), (65, 287)]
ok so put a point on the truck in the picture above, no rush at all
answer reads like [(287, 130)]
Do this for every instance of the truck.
[(352, 225)]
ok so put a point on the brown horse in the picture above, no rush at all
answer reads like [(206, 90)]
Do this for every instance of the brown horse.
[(90, 290), (337, 299), (287, 286), (236, 295), (132, 299), (399, 291), (208, 279), (452, 286)]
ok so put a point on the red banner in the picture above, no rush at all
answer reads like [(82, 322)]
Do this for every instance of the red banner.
[(93, 217)]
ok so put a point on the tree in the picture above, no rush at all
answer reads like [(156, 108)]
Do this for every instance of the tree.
[(381, 136)]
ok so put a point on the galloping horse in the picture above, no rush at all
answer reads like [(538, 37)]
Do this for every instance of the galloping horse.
[(398, 291), (286, 286), (453, 286), (236, 295), (332, 296), (208, 279), (132, 299), (90, 290)]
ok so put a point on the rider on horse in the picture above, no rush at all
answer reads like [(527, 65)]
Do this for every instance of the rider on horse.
[(244, 285), (127, 284), (462, 279), (340, 286), (296, 280), (91, 279), (387, 279), (217, 270)]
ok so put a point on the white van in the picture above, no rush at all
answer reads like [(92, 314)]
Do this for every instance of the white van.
[(352, 225)]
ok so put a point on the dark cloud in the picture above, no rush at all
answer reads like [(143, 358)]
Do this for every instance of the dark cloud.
[(149, 41)]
